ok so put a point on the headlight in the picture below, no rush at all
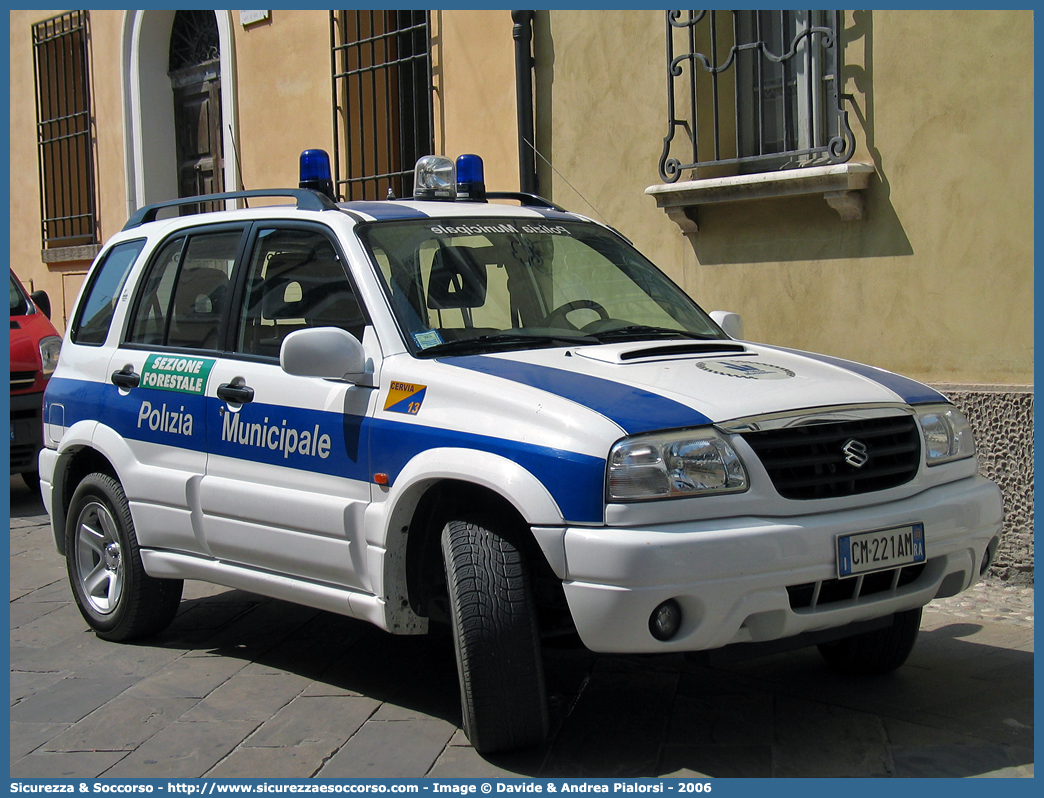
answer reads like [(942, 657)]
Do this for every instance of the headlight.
[(947, 434), (674, 465), (50, 348)]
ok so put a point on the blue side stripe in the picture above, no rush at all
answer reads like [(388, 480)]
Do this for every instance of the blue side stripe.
[(911, 391), (633, 409), (575, 481), (353, 447)]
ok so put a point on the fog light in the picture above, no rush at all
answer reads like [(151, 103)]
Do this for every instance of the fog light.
[(665, 620)]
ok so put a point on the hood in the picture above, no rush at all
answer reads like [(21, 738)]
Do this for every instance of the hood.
[(649, 385)]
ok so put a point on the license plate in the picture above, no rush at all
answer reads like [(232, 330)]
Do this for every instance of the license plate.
[(865, 552)]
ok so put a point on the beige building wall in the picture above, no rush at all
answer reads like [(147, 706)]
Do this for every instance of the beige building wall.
[(285, 95), (284, 107), (935, 282), (62, 280), (475, 110)]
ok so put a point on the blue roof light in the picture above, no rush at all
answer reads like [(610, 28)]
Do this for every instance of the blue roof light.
[(471, 179), (315, 172)]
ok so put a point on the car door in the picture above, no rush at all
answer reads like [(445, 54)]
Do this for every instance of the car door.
[(160, 370), (287, 477)]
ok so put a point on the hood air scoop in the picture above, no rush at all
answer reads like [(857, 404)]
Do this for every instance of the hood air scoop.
[(625, 353)]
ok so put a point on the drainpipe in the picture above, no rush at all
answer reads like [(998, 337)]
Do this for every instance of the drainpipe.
[(524, 63)]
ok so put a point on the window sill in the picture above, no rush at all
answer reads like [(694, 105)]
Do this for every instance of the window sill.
[(69, 254), (840, 185)]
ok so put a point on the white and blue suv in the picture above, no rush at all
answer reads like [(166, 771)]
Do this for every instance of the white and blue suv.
[(497, 416)]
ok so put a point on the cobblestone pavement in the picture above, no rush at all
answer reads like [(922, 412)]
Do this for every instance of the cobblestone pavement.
[(243, 686)]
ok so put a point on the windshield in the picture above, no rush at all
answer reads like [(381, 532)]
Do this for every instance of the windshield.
[(471, 285), (19, 300)]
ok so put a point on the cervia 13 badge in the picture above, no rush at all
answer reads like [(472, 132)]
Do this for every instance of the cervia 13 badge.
[(404, 397)]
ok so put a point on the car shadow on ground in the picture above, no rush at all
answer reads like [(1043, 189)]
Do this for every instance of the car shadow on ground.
[(961, 706)]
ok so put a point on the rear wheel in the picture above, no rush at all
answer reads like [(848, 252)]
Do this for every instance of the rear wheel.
[(497, 642), (876, 652), (114, 594)]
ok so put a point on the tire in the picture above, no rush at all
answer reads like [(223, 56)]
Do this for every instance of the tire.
[(876, 652), (496, 638), (113, 593)]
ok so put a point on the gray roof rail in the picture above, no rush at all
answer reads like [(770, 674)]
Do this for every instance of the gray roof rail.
[(527, 200), (307, 200)]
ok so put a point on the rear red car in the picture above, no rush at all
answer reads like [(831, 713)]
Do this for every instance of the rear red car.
[(35, 345)]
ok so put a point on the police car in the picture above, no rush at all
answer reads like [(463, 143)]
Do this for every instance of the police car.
[(491, 415)]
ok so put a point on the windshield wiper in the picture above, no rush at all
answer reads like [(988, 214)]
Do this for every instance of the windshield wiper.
[(641, 332), (504, 341)]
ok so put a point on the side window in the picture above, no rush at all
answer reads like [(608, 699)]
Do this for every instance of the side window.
[(91, 324), (296, 280), (185, 297)]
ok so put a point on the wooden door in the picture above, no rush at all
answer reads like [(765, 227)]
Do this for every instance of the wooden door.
[(198, 131)]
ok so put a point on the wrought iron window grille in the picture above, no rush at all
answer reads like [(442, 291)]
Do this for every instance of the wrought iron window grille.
[(65, 144), (759, 92), (383, 114)]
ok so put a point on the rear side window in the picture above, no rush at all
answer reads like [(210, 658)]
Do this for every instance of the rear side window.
[(91, 324), (185, 298)]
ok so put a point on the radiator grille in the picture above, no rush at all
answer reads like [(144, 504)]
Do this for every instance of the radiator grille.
[(22, 379), (846, 458)]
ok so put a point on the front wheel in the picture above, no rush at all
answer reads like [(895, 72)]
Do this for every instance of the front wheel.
[(497, 642), (876, 652), (113, 593)]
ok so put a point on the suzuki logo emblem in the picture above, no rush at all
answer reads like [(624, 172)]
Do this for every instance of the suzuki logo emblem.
[(855, 452)]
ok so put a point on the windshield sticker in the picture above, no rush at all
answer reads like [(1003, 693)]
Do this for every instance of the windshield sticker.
[(746, 369), (181, 374), (479, 229), (472, 229), (545, 229), (427, 339), (404, 397)]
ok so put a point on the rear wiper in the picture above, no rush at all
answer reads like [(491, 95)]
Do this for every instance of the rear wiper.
[(485, 343), (639, 332)]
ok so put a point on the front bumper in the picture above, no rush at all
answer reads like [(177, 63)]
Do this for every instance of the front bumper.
[(731, 575)]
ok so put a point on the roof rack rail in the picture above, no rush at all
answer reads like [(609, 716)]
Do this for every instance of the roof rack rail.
[(307, 200), (528, 200)]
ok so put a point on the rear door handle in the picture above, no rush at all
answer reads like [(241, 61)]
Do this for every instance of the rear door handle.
[(237, 391), (126, 378)]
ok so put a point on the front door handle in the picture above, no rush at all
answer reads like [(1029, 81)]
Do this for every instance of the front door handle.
[(126, 378), (237, 391)]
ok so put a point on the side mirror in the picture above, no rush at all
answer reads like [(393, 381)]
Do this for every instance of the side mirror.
[(42, 301), (731, 323), (328, 352)]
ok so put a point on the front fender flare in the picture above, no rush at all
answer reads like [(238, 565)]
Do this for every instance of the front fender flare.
[(386, 548)]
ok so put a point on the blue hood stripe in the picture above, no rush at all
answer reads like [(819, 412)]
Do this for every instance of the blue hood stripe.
[(911, 391), (631, 408), (385, 211)]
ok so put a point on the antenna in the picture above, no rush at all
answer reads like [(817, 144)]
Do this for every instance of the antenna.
[(239, 165), (575, 189)]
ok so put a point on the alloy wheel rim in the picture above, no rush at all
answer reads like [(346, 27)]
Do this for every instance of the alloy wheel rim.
[(99, 558)]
